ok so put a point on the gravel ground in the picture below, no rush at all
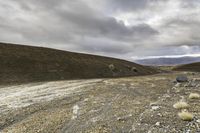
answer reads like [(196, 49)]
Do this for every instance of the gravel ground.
[(142, 104)]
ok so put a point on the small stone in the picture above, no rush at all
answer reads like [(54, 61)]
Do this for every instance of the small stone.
[(159, 114), (188, 131), (124, 118), (178, 85), (157, 124), (155, 107), (153, 104), (174, 88), (198, 121)]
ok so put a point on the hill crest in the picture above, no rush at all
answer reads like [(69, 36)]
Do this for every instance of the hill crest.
[(20, 63)]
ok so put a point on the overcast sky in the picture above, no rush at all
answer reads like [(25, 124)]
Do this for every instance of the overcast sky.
[(126, 29)]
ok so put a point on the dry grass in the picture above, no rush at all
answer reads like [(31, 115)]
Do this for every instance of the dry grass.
[(181, 105), (194, 96), (186, 116)]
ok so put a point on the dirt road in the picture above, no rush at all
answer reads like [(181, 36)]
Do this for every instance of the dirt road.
[(137, 104)]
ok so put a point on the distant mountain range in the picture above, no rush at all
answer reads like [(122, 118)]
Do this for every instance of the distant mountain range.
[(167, 61)]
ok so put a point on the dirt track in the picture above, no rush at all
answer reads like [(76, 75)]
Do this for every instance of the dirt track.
[(137, 104)]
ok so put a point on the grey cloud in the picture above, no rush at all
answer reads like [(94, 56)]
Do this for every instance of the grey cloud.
[(76, 25), (39, 4), (73, 23), (133, 5), (128, 5), (188, 30), (106, 27), (190, 3)]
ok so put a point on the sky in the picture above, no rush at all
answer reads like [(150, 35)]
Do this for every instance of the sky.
[(127, 29)]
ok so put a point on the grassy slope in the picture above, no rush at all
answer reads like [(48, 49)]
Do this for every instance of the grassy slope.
[(195, 67), (30, 64)]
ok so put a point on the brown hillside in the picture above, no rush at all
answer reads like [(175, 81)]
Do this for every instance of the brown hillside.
[(31, 64), (195, 67)]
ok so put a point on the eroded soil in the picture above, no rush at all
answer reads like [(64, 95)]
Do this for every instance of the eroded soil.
[(137, 104)]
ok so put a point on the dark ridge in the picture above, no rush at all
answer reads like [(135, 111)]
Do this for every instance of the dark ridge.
[(20, 64), (193, 67)]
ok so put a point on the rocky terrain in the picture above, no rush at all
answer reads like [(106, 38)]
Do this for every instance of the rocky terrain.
[(51, 91), (143, 104)]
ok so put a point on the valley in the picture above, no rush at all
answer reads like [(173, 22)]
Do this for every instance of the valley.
[(134, 104)]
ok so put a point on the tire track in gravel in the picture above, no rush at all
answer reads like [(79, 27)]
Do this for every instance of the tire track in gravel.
[(25, 95), (35, 95)]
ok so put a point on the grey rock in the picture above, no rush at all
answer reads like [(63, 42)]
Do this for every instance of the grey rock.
[(124, 118), (181, 78)]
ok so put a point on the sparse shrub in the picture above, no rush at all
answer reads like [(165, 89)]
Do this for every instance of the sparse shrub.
[(129, 67), (111, 67), (181, 105), (186, 116), (114, 69), (134, 69), (194, 96)]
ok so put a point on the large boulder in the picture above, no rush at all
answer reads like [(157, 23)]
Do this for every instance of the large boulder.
[(181, 78)]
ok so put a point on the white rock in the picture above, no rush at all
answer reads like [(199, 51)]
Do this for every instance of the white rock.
[(75, 111), (157, 124), (178, 85), (198, 121), (155, 107), (159, 114)]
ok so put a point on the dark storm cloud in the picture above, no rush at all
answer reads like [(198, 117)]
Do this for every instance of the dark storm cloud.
[(133, 5), (70, 23), (111, 27), (190, 3), (128, 5), (105, 27)]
